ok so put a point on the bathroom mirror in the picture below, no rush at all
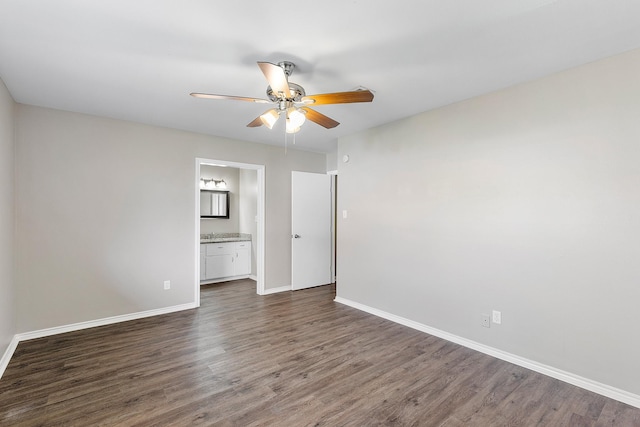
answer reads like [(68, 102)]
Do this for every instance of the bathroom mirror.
[(214, 204)]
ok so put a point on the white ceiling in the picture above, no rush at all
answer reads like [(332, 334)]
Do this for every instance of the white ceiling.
[(138, 60)]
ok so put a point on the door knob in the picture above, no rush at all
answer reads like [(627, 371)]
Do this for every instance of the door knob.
[(296, 236)]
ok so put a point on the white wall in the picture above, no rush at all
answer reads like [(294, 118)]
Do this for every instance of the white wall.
[(7, 219), (332, 160), (525, 201), (106, 213), (231, 177), (248, 209)]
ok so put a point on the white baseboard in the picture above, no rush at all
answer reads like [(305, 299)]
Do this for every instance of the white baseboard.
[(253, 277), (6, 357), (4, 362), (568, 377), (224, 279), (276, 290), (102, 322)]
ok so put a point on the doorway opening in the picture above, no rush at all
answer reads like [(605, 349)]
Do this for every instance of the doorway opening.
[(258, 243)]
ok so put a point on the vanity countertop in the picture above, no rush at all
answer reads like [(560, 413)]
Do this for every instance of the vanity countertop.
[(225, 237)]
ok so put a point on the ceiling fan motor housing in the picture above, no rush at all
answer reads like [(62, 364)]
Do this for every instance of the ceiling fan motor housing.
[(297, 92)]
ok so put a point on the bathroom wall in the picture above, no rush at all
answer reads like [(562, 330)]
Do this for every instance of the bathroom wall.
[(232, 177)]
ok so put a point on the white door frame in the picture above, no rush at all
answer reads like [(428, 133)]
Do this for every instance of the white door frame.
[(260, 237), (334, 176)]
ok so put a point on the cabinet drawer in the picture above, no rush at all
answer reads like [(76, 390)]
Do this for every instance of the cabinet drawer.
[(219, 248), (242, 245)]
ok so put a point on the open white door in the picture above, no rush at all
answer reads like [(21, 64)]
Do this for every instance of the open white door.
[(310, 230)]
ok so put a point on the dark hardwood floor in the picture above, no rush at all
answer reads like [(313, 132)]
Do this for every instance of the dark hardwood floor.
[(290, 359)]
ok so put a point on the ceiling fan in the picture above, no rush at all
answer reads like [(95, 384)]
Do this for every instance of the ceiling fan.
[(291, 99)]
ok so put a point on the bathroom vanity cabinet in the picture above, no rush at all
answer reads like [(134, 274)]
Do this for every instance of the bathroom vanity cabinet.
[(225, 261)]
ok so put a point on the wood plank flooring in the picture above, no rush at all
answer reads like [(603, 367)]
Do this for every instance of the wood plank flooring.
[(289, 359)]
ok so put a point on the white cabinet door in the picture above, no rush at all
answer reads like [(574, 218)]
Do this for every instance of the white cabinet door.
[(217, 266), (243, 259), (218, 260)]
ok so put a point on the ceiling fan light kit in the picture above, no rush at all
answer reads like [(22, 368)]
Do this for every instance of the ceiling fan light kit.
[(295, 119), (292, 100), (269, 118)]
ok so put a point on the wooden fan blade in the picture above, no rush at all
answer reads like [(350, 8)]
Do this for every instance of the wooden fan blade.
[(235, 98), (276, 77), (255, 123), (270, 116), (339, 97), (319, 118)]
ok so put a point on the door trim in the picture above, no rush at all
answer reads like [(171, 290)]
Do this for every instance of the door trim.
[(260, 217), (334, 230)]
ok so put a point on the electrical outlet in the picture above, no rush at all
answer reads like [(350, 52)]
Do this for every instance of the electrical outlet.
[(486, 320), (167, 285), (496, 317)]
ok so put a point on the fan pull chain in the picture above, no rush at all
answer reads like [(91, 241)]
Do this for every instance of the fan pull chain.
[(285, 140)]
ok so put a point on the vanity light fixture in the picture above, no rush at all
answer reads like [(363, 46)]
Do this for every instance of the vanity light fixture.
[(212, 184)]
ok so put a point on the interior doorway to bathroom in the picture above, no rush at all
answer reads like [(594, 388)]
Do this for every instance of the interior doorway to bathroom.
[(244, 183)]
